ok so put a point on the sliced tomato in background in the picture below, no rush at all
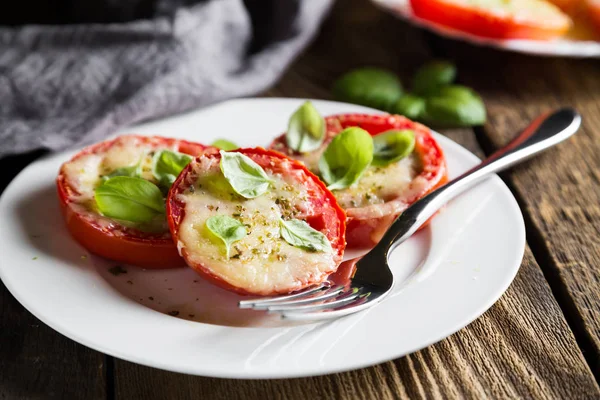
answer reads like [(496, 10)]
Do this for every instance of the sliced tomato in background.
[(325, 213), (112, 240), (366, 225), (527, 19), (571, 7), (593, 10)]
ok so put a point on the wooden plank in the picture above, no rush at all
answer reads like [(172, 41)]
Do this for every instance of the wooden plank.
[(37, 362), (560, 190), (521, 348)]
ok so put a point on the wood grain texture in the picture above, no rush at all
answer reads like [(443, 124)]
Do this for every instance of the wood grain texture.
[(36, 362), (560, 190), (521, 348), (39, 363)]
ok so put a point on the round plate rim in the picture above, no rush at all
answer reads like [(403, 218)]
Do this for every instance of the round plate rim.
[(208, 372)]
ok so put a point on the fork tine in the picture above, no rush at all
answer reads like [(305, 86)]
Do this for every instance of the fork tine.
[(333, 292), (360, 303), (276, 299), (344, 299)]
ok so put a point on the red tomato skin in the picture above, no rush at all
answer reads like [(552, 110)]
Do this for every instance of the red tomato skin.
[(481, 23), (366, 232), (176, 213), (593, 9), (117, 243)]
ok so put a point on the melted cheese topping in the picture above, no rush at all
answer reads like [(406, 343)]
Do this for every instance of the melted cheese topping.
[(377, 185), (536, 11), (84, 174), (262, 262)]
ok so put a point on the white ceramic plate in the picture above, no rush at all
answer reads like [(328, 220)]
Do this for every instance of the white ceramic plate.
[(559, 47), (448, 274)]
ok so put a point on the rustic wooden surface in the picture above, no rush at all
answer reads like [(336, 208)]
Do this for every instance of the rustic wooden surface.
[(559, 191), (523, 347)]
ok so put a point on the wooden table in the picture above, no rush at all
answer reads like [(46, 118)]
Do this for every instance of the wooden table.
[(540, 340)]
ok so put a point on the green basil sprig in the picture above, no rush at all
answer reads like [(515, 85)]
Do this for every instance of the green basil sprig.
[(306, 129), (369, 86), (167, 165), (224, 144), (433, 99), (246, 177), (226, 228), (346, 158), (130, 199), (300, 234), (432, 76), (410, 106), (454, 106), (133, 171), (392, 146)]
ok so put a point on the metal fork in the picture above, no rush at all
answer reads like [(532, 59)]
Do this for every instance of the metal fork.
[(373, 279)]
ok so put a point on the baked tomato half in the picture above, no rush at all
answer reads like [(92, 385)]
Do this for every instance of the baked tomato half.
[(147, 245), (382, 192), (498, 19), (254, 221), (593, 10)]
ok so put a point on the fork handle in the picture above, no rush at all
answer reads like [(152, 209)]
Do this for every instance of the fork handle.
[(544, 132)]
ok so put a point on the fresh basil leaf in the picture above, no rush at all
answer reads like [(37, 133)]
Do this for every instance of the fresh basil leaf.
[(228, 229), (369, 86), (224, 144), (306, 129), (346, 158), (132, 171), (130, 199), (167, 165), (392, 146), (432, 76), (455, 106), (410, 106), (300, 234), (245, 176)]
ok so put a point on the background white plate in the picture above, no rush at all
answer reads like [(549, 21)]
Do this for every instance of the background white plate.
[(448, 274), (559, 47)]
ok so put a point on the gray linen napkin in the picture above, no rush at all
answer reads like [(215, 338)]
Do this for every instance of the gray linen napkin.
[(71, 85)]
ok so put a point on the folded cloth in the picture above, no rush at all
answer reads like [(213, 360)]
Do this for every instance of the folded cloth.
[(64, 85)]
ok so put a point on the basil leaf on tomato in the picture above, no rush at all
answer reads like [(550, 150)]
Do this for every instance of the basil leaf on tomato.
[(224, 144), (306, 129), (346, 158), (129, 199), (246, 177), (132, 171), (300, 234), (167, 165), (392, 146), (226, 228)]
